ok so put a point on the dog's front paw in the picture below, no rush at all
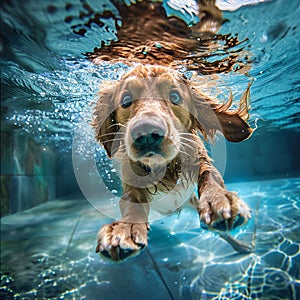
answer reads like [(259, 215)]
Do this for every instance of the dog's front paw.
[(120, 240), (222, 210)]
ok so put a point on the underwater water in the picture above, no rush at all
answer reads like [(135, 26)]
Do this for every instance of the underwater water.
[(48, 253), (49, 224)]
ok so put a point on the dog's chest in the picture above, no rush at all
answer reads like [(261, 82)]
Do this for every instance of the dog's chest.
[(168, 202)]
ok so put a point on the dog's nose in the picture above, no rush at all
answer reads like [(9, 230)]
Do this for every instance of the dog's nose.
[(148, 134)]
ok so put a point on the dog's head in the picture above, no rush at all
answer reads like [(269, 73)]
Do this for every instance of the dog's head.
[(152, 111)]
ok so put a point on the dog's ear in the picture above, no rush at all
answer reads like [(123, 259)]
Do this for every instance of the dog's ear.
[(211, 117), (234, 127), (104, 122)]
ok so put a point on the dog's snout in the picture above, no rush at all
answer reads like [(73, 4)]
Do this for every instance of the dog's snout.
[(147, 133)]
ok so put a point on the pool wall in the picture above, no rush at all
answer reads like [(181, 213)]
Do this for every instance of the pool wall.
[(28, 173), (32, 174)]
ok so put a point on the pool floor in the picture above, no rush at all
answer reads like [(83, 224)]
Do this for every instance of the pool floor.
[(48, 252)]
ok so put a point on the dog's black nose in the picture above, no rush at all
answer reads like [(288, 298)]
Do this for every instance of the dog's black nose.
[(148, 134)]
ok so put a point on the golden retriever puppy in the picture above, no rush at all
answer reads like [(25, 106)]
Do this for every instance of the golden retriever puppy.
[(150, 122)]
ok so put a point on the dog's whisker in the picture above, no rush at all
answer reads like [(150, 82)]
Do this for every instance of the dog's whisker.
[(112, 134), (185, 153), (120, 124), (114, 140), (186, 134), (187, 158), (188, 140), (116, 125), (187, 145)]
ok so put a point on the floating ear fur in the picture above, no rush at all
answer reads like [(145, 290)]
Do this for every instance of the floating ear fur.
[(212, 117)]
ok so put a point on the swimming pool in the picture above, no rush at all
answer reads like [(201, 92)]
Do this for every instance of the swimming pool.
[(48, 228)]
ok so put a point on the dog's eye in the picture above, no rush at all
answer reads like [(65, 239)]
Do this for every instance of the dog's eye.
[(126, 100), (175, 98)]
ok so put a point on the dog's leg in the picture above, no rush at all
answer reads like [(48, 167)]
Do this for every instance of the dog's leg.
[(127, 236), (219, 208)]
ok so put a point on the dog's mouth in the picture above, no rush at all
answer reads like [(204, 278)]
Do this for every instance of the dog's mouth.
[(149, 145), (156, 158), (149, 155)]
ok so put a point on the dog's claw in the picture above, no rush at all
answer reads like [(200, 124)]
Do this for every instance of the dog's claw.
[(207, 218), (226, 214)]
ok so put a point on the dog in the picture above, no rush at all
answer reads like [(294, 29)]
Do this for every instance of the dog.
[(154, 121), (151, 121)]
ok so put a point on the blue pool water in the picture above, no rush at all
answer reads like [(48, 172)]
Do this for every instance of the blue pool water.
[(48, 253), (49, 221)]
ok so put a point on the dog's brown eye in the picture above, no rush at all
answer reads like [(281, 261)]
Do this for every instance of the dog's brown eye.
[(175, 98), (126, 100)]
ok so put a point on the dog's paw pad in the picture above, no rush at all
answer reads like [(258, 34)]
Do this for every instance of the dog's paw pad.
[(118, 254)]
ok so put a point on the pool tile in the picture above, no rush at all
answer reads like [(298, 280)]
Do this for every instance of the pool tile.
[(50, 250)]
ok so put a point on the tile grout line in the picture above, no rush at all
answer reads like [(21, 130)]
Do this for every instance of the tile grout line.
[(253, 244), (156, 268), (72, 234)]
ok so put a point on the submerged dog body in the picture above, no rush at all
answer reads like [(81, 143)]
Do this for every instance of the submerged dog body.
[(150, 123)]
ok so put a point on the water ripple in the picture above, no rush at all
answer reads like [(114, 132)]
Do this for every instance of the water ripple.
[(46, 80)]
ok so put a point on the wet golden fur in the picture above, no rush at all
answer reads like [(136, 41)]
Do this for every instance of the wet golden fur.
[(181, 152)]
